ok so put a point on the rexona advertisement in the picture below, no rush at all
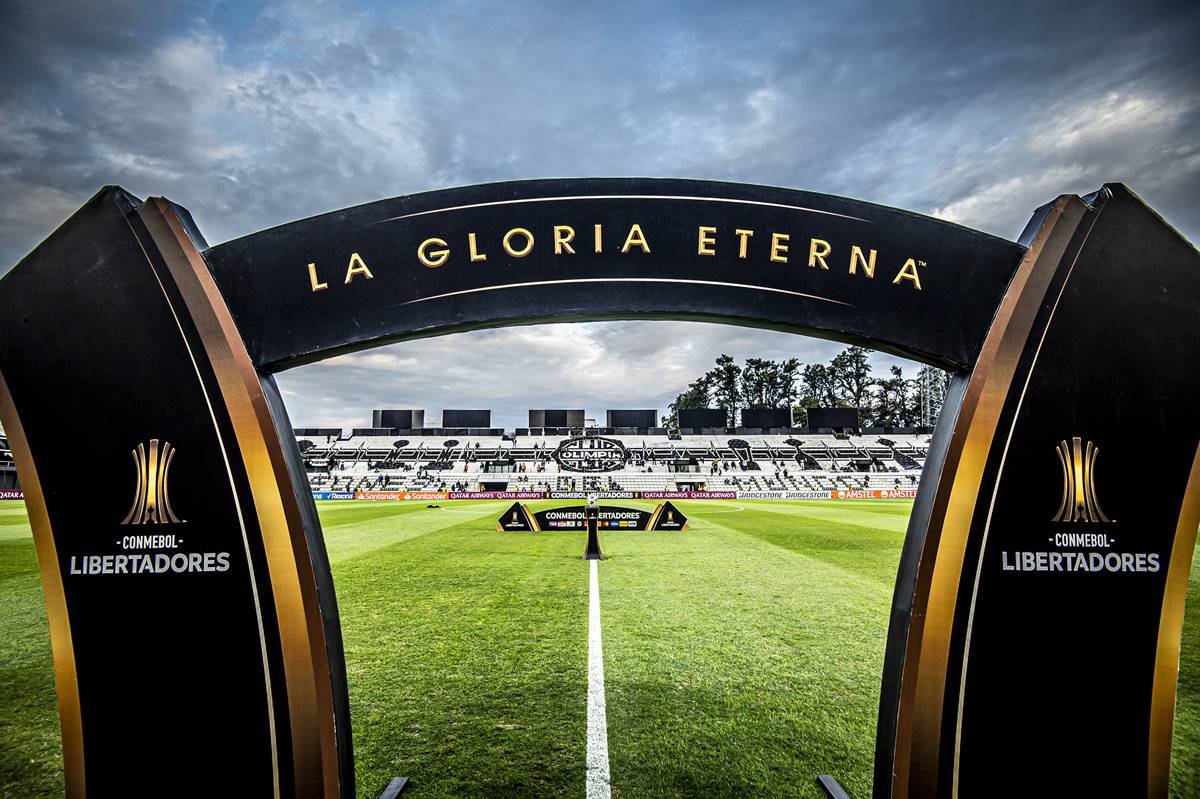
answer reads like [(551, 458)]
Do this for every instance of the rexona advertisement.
[(333, 495)]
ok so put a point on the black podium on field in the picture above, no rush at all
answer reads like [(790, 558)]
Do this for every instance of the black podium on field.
[(592, 518)]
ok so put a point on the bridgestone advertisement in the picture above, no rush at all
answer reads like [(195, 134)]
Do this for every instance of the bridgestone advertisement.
[(783, 495)]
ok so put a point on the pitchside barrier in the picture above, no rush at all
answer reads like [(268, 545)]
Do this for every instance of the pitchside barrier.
[(1072, 351)]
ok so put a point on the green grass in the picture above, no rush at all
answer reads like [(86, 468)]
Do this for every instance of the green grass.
[(30, 747), (464, 651), (742, 657)]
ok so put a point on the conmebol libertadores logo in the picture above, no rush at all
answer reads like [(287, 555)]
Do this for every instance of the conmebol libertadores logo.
[(152, 497), (1078, 462)]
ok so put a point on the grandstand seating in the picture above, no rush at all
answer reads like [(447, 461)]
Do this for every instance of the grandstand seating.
[(8, 471), (799, 462)]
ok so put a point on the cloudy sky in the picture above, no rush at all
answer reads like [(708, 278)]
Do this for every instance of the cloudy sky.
[(253, 115)]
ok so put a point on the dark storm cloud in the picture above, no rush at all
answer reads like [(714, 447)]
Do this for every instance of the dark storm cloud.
[(251, 116)]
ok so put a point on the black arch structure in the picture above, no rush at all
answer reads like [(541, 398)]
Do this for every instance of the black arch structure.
[(1038, 607)]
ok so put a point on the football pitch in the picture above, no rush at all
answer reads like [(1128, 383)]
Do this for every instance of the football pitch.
[(741, 658)]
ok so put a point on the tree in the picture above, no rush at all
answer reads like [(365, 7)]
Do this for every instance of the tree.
[(845, 381), (850, 371), (696, 395), (761, 383), (769, 384), (787, 383), (892, 405), (725, 381), (817, 387)]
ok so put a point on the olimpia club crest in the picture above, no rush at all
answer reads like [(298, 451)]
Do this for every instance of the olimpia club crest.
[(152, 497), (591, 454), (1078, 462)]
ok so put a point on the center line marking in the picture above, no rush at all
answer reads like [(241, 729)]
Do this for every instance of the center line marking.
[(598, 780)]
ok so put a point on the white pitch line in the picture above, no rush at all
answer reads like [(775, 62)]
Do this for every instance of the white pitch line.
[(598, 781)]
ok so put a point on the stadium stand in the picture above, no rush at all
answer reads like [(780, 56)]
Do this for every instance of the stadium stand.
[(600, 459), (8, 471)]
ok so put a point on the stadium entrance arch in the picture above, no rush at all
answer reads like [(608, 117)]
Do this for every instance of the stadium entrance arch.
[(1039, 601)]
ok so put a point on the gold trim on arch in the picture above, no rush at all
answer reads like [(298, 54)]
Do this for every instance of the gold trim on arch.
[(1170, 636), (302, 634), (939, 573), (66, 681)]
